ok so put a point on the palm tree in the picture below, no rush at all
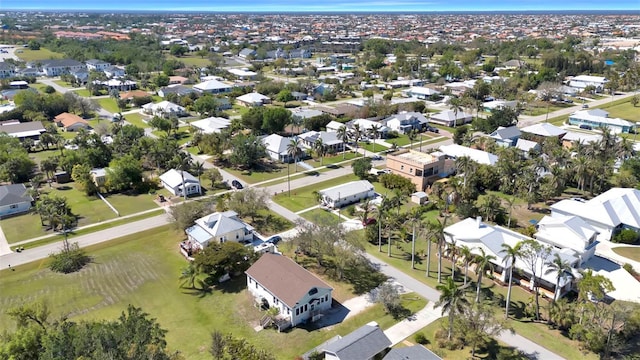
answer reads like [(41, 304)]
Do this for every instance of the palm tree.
[(466, 166), (379, 213), (374, 132), (436, 229), (452, 300), (319, 149), (561, 268), (293, 150), (189, 275), (412, 135), (510, 202), (511, 253), (483, 262), (356, 135), (343, 135), (452, 251), (456, 106), (467, 255), (182, 162), (414, 217), (198, 168)]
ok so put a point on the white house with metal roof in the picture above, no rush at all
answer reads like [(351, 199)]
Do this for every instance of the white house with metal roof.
[(455, 151), (406, 121), (607, 213), (278, 146), (164, 109), (213, 87), (544, 130), (253, 99), (172, 180), (570, 232), (211, 125), (364, 343), (598, 118), (419, 92), (329, 140), (580, 82), (506, 136), (451, 118), (218, 227), (14, 199), (345, 194)]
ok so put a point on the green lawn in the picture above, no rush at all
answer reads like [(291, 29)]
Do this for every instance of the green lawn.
[(237, 110), (35, 55), (136, 119), (131, 204), (89, 209), (109, 104), (332, 159), (371, 147), (630, 252), (192, 60), (38, 86), (320, 216), (622, 109), (82, 92), (142, 270), (303, 198), (63, 83), (38, 156)]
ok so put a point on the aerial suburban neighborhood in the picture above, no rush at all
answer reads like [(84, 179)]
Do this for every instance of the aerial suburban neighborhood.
[(340, 186)]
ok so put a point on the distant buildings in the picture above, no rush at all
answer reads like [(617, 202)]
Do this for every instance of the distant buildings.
[(581, 82)]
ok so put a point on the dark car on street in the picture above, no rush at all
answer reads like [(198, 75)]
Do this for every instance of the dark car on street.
[(236, 184), (274, 239)]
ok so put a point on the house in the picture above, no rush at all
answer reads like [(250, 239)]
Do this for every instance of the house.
[(177, 80), (405, 122), (247, 53), (114, 72), (608, 213), (29, 72), (513, 64), (334, 125), (299, 96), (219, 227), (278, 148), (130, 95), (213, 87), (366, 126), (477, 235), (301, 114), (97, 65), (451, 118), (539, 132), (81, 76), (117, 84), (180, 182), (365, 343), (26, 130), (253, 99), (211, 125), (527, 146), (57, 67), (415, 352), (164, 109), (345, 194), (506, 136), (419, 197), (179, 90), (421, 168), (243, 74), (491, 106), (580, 82), (455, 151), (14, 199), (277, 281), (568, 232), (419, 92), (71, 122), (598, 118), (18, 84), (7, 70), (329, 139), (571, 137), (99, 176)]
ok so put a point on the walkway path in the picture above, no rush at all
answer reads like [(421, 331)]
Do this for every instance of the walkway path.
[(413, 324)]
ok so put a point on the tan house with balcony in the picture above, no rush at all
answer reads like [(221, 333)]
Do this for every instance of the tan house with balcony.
[(421, 168)]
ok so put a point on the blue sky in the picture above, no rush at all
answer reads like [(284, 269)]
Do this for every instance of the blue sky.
[(321, 5)]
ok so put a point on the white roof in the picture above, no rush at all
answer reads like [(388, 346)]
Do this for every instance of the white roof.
[(348, 189), (479, 156), (612, 208), (581, 137), (586, 115), (526, 145), (216, 224), (565, 232), (544, 129), (366, 124), (499, 104), (173, 178), (328, 137), (334, 125), (252, 98), (420, 90), (590, 78), (166, 106), (450, 115), (211, 85), (276, 144), (211, 124), (240, 72)]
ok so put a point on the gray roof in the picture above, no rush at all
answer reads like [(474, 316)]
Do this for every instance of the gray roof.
[(348, 189), (6, 66), (177, 89), (95, 62), (13, 194), (247, 52), (60, 63), (31, 126), (362, 344), (416, 352), (510, 132)]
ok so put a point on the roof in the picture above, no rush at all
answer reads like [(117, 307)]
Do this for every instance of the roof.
[(211, 124), (612, 208), (450, 115), (165, 106), (173, 178), (408, 118), (599, 117), (177, 89), (567, 231), (328, 137), (415, 352), (24, 129), (241, 72), (13, 194), (252, 98), (348, 189), (544, 129), (216, 224), (496, 104), (361, 344), (276, 144), (421, 91), (526, 145), (67, 119), (134, 93), (502, 133), (211, 85), (581, 137), (60, 63), (284, 278), (589, 78), (479, 156), (307, 113)]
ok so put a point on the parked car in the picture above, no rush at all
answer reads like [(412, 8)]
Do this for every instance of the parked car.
[(236, 184), (586, 127), (585, 106), (433, 129), (274, 239), (376, 157), (369, 221)]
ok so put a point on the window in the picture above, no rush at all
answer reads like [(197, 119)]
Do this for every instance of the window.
[(410, 170), (297, 311), (326, 297), (14, 206), (401, 167), (313, 291)]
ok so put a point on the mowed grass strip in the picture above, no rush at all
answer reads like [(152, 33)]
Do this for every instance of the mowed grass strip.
[(143, 270)]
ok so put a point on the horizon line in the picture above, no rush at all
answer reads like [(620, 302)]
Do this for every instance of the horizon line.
[(152, 11)]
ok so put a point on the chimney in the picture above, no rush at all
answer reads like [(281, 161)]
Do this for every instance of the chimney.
[(479, 221)]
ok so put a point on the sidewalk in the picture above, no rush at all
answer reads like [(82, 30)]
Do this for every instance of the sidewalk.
[(413, 324)]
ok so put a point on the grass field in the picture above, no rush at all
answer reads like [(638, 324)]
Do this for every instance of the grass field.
[(630, 252), (143, 270), (303, 198), (136, 119), (109, 104), (622, 109), (320, 216), (38, 86), (332, 159), (192, 60), (35, 55), (131, 204), (82, 92)]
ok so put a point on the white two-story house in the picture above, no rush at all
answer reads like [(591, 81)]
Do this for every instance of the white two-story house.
[(218, 227)]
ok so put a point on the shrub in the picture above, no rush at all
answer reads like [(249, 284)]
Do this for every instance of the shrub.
[(69, 260), (49, 89), (626, 236), (420, 339)]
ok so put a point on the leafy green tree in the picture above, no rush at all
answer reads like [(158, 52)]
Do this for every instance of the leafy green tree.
[(213, 175), (161, 80), (249, 202), (81, 175), (248, 151), (274, 119), (394, 181), (478, 325), (185, 214), (230, 257), (533, 253), (285, 96), (206, 105), (124, 173), (483, 262), (253, 118), (361, 167)]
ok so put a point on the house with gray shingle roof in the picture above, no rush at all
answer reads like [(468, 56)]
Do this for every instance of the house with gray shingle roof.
[(415, 352), (14, 200), (57, 67), (363, 343), (506, 136)]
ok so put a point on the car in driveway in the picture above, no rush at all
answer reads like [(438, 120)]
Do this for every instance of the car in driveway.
[(586, 127), (376, 157), (274, 239), (433, 129), (236, 184)]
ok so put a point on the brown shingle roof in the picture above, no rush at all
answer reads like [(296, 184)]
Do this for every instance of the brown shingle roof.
[(67, 119), (134, 93), (284, 278)]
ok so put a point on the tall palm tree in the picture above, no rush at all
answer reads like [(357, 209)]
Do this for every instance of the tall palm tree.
[(413, 219), (561, 268), (452, 251), (483, 262), (198, 167), (511, 253), (293, 150), (467, 255), (452, 300), (182, 162), (356, 135), (374, 132), (456, 106), (343, 135), (319, 149), (436, 229), (379, 213), (466, 166)]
